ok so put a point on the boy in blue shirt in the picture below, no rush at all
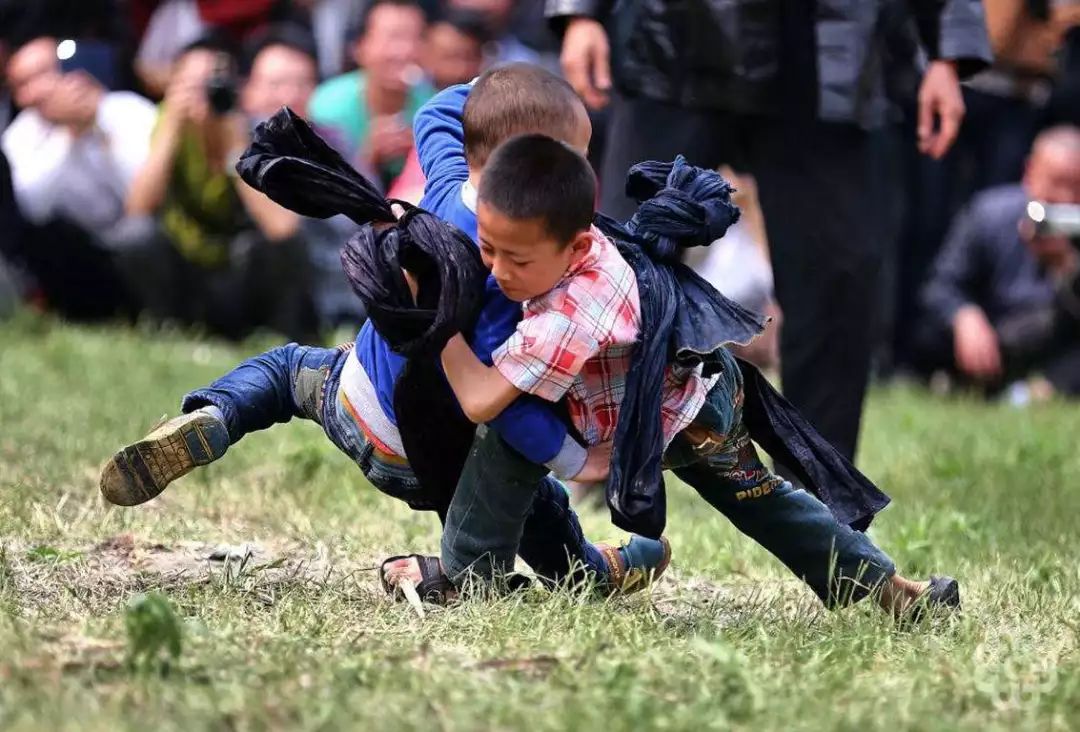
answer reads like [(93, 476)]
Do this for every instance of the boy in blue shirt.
[(349, 390)]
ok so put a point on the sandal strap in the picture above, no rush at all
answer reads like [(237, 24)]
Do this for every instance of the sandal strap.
[(434, 586)]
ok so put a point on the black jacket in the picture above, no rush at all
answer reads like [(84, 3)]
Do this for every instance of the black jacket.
[(737, 55)]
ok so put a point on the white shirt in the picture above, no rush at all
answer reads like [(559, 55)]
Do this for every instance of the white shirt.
[(83, 179)]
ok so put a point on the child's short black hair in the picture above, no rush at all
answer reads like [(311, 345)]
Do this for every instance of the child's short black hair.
[(515, 99), (537, 177)]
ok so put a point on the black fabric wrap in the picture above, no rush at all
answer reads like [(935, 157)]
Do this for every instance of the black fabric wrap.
[(295, 168), (685, 320)]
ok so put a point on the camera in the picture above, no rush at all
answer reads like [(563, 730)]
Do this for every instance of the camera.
[(1055, 219), (221, 87)]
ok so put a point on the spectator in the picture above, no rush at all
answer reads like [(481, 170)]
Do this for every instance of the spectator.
[(73, 151), (1006, 105), (454, 49), (283, 73), (1001, 300), (788, 91), (204, 248), (372, 109)]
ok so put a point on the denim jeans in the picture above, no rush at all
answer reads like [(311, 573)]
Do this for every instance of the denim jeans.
[(302, 381), (715, 456), (494, 516)]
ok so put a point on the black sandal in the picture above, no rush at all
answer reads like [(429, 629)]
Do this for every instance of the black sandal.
[(943, 594), (434, 587)]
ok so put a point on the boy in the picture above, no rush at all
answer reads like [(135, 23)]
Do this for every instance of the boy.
[(350, 390), (581, 321)]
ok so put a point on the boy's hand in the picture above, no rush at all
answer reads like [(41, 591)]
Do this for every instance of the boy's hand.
[(597, 464)]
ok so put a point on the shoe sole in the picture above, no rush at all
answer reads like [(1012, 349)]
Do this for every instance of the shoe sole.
[(145, 468)]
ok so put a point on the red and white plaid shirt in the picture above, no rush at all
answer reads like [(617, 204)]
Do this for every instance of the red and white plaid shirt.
[(578, 339)]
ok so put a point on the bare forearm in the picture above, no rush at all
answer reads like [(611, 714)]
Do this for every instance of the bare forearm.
[(150, 184), (481, 390), (275, 222)]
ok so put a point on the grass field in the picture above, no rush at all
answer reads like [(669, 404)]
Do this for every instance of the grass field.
[(299, 636)]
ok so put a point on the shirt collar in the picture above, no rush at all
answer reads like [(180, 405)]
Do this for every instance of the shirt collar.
[(468, 196)]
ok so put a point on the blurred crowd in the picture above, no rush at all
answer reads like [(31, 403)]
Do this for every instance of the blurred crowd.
[(122, 120)]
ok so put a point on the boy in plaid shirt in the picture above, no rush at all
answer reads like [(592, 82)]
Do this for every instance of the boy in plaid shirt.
[(581, 321)]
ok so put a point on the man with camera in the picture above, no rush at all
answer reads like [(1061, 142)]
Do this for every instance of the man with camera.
[(1003, 299), (205, 248), (73, 151)]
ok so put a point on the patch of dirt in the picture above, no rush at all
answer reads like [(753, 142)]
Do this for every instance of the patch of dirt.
[(96, 576)]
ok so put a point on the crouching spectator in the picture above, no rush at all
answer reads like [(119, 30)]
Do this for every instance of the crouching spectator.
[(203, 248), (73, 151), (1002, 301)]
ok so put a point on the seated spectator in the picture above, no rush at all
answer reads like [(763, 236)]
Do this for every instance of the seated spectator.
[(203, 247), (73, 151), (454, 48), (282, 73), (373, 108), (1001, 302)]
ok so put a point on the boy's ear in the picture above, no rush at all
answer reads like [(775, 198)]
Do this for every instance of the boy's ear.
[(580, 244)]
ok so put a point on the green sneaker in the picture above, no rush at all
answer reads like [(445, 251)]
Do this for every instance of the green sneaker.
[(142, 470)]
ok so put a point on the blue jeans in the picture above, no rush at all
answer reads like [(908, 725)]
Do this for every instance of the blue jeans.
[(716, 457), (302, 381)]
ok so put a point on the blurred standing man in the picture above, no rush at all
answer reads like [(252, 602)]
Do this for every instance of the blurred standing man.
[(787, 89)]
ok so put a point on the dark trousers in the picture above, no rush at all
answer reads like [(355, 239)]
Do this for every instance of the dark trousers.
[(716, 457), (264, 284), (990, 150), (819, 195), (76, 274)]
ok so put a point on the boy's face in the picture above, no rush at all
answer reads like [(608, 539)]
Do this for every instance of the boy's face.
[(524, 258)]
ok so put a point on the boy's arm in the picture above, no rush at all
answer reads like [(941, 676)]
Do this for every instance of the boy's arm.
[(528, 426), (481, 390), (440, 137)]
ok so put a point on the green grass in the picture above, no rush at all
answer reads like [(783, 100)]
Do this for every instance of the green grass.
[(299, 636)]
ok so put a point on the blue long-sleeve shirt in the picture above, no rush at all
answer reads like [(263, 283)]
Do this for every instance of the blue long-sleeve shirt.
[(530, 426)]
